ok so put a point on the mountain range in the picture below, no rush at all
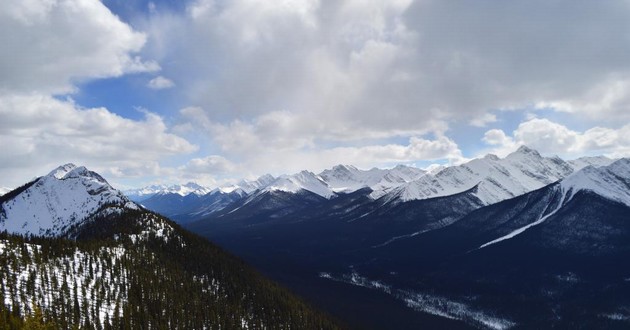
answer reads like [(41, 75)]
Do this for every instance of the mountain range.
[(452, 243), (524, 241), (495, 179)]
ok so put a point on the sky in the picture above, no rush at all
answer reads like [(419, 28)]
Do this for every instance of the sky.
[(212, 91)]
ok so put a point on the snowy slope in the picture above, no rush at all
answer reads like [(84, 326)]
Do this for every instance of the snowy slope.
[(59, 200), (304, 180), (583, 162), (498, 179), (249, 186), (612, 181), (346, 178), (182, 190)]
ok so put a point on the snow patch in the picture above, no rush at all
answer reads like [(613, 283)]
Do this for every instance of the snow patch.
[(496, 179), (428, 303)]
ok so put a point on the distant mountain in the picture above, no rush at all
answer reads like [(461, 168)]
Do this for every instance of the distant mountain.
[(344, 178), (523, 241), (142, 194), (497, 178), (558, 253), (597, 161), (124, 266), (249, 186), (302, 181), (4, 190), (192, 206)]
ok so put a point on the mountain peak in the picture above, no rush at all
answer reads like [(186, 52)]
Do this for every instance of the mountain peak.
[(53, 204), (61, 171), (492, 157), (527, 151), (610, 181)]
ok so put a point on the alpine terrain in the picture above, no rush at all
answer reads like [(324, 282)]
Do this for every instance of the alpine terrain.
[(495, 243), (77, 253)]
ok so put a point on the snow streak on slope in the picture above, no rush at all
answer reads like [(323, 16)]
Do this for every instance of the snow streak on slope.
[(428, 303), (520, 172), (59, 200), (611, 182)]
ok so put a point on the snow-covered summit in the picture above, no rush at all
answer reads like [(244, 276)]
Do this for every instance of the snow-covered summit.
[(250, 186), (303, 180), (347, 178), (497, 178), (52, 204), (62, 170), (596, 161), (180, 189), (612, 181)]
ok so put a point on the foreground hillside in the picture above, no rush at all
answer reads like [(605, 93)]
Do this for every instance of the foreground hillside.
[(120, 266)]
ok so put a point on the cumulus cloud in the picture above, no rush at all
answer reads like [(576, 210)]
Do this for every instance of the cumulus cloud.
[(380, 155), (483, 120), (553, 138), (397, 67), (160, 82), (213, 165), (40, 132), (47, 46)]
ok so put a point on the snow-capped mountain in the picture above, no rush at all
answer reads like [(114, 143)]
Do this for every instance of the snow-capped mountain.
[(4, 190), (249, 186), (497, 178), (182, 190), (612, 181), (304, 180), (583, 162), (51, 205), (345, 178)]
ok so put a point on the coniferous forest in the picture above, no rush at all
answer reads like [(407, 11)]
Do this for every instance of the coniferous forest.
[(133, 269)]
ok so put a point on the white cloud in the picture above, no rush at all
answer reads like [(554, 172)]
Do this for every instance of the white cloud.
[(39, 133), (552, 138), (362, 156), (497, 137), (213, 165), (47, 46), (483, 120), (396, 67), (160, 82)]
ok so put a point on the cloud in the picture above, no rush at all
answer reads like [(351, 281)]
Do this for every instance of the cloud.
[(212, 165), (553, 138), (397, 67), (48, 46), (483, 120), (160, 82), (39, 133), (362, 156)]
